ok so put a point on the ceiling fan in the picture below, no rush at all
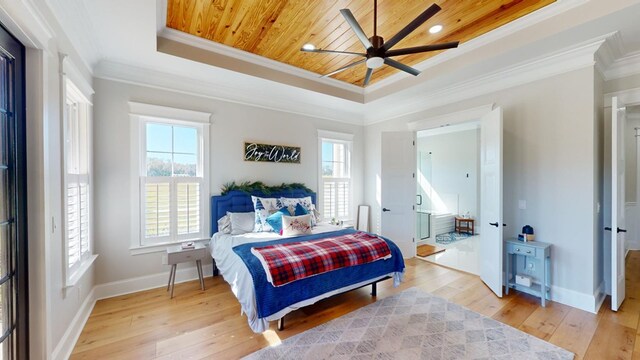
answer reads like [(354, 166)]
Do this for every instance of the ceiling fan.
[(378, 52)]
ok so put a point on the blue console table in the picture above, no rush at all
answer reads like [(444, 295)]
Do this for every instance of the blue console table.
[(523, 253)]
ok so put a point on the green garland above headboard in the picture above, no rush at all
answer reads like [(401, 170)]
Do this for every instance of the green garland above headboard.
[(258, 186)]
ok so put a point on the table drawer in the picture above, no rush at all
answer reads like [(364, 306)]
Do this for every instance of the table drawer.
[(522, 249), (184, 256)]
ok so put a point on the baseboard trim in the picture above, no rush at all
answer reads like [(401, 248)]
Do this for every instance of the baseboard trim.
[(128, 286), (578, 300), (64, 348)]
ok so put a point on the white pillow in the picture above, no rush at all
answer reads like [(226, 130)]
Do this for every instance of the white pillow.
[(306, 203), (241, 222), (296, 225), (263, 207), (224, 224)]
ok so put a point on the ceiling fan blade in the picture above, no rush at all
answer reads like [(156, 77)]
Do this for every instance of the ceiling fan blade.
[(368, 76), (356, 28), (345, 68), (401, 66), (334, 52), (419, 49), (426, 15)]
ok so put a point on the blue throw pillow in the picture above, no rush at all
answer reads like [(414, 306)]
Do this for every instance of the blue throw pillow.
[(275, 219), (300, 210)]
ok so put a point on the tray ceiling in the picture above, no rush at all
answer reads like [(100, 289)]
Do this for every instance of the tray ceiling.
[(278, 29)]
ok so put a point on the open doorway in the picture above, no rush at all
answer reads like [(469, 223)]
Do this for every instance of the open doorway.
[(448, 196)]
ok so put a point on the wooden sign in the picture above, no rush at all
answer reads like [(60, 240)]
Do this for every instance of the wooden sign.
[(271, 153)]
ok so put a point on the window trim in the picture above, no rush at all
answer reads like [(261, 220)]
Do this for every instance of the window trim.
[(73, 86), (140, 114), (337, 137)]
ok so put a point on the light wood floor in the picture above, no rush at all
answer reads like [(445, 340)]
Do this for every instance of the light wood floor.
[(207, 324)]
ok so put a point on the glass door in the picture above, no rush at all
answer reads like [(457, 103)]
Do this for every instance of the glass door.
[(13, 247)]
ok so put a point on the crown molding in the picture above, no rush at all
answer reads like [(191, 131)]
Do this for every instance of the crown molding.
[(135, 75), (574, 58), (241, 55), (26, 22), (559, 7), (623, 67), (606, 55)]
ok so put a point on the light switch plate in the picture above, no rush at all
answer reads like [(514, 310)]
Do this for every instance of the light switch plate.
[(522, 204)]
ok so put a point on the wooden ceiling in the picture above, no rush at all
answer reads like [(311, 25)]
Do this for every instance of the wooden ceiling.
[(277, 29)]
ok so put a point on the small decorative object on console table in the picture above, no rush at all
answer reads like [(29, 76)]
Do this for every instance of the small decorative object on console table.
[(178, 254), (534, 259), (465, 225)]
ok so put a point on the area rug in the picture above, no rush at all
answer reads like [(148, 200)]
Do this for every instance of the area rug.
[(426, 250), (448, 238), (413, 325)]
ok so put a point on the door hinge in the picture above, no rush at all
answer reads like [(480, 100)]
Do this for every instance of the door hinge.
[(414, 143), (413, 239), (414, 175), (413, 207)]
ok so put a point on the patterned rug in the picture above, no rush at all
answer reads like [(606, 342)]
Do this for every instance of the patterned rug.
[(448, 238), (413, 325)]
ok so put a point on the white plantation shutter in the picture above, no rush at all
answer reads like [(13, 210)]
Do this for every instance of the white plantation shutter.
[(77, 186), (157, 209), (188, 207), (336, 195)]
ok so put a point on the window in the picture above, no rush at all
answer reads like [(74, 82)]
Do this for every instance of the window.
[(77, 180), (335, 175), (172, 177)]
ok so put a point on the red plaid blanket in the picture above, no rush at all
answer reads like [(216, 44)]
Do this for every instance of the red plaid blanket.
[(285, 263)]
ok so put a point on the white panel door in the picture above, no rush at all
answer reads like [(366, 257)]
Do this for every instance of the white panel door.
[(617, 228), (491, 200), (398, 190)]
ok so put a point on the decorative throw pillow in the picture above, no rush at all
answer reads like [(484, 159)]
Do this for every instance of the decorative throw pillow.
[(275, 219), (264, 207), (224, 224), (306, 202), (241, 222), (296, 225)]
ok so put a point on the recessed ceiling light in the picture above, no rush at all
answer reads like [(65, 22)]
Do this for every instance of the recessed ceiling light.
[(308, 47), (435, 29)]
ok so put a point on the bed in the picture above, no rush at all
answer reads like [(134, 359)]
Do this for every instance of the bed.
[(260, 300)]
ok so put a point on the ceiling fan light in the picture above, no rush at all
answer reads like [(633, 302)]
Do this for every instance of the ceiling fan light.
[(308, 47), (375, 62), (435, 29)]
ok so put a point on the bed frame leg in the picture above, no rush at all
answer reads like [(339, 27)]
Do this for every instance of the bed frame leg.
[(215, 268), (281, 324), (374, 289)]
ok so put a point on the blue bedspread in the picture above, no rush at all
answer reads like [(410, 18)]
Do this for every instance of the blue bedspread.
[(271, 299)]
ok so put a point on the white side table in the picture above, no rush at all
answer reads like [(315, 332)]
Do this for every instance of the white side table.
[(176, 254)]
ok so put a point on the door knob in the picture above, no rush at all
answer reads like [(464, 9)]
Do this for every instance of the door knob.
[(494, 224), (385, 209), (621, 230)]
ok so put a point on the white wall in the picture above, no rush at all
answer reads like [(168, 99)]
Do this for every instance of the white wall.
[(549, 161), (454, 170), (232, 125)]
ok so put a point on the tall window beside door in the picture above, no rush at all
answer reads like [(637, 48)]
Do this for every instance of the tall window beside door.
[(335, 175), (172, 175), (77, 180)]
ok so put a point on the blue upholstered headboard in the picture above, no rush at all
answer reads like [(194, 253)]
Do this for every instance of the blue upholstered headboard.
[(238, 201)]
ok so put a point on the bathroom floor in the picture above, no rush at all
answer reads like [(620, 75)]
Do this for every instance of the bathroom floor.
[(463, 255)]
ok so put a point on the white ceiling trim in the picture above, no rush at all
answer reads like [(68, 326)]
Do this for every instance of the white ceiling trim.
[(201, 43), (574, 58), (559, 7), (176, 83), (24, 20), (626, 66)]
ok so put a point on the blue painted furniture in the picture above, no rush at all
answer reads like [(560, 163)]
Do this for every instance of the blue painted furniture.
[(519, 256)]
